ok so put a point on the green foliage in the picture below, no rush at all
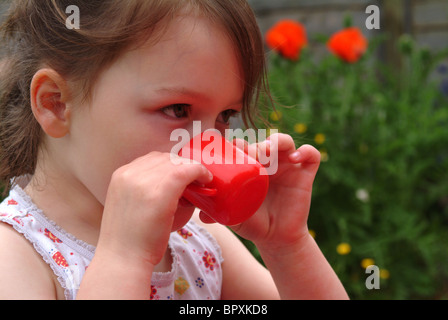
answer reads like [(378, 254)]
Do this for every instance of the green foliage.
[(382, 186)]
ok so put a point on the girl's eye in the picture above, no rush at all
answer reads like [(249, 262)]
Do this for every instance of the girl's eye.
[(178, 111), (224, 117)]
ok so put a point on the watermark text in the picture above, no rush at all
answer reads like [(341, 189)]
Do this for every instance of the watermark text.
[(373, 20), (73, 21), (211, 154)]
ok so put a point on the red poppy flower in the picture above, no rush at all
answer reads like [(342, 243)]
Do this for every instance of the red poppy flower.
[(348, 44), (287, 37)]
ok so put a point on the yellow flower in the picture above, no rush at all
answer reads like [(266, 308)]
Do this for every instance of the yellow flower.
[(319, 138), (343, 248), (384, 274), (324, 155), (300, 128), (275, 115), (312, 233), (367, 262)]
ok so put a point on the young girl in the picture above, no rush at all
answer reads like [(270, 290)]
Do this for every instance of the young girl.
[(94, 209)]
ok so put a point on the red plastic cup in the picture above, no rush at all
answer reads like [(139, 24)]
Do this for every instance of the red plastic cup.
[(239, 185)]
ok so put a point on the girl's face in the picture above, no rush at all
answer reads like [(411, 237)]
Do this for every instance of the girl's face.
[(191, 74)]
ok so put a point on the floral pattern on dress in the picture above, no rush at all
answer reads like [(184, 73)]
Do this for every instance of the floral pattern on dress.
[(51, 236), (154, 295), (200, 282), (184, 233), (12, 202), (209, 260), (59, 259), (18, 220), (181, 285)]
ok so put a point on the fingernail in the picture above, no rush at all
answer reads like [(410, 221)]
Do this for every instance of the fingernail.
[(295, 156)]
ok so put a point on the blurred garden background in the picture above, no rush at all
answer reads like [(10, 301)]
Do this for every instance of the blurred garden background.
[(375, 103)]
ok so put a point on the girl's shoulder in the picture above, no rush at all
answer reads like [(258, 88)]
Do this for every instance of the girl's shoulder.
[(23, 273)]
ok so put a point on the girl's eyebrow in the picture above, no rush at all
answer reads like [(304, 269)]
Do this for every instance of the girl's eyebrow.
[(187, 92), (181, 91)]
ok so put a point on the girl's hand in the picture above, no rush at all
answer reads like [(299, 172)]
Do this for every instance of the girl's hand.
[(279, 228), (282, 219), (141, 205)]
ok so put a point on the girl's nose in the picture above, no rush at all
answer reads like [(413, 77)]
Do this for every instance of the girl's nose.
[(199, 126)]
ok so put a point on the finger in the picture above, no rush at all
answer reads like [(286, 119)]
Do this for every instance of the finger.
[(240, 144), (309, 159), (260, 150), (306, 154), (186, 171), (282, 142), (196, 172)]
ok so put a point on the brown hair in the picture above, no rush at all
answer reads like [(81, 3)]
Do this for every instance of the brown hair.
[(34, 34)]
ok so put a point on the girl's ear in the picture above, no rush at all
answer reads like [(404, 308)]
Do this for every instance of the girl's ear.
[(49, 93)]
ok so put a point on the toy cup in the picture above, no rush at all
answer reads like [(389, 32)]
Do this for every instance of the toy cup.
[(239, 185)]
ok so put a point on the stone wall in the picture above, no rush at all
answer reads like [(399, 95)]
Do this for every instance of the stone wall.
[(426, 20)]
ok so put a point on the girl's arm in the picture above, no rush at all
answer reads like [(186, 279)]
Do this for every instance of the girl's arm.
[(301, 271), (138, 217), (23, 273), (295, 273), (116, 277)]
